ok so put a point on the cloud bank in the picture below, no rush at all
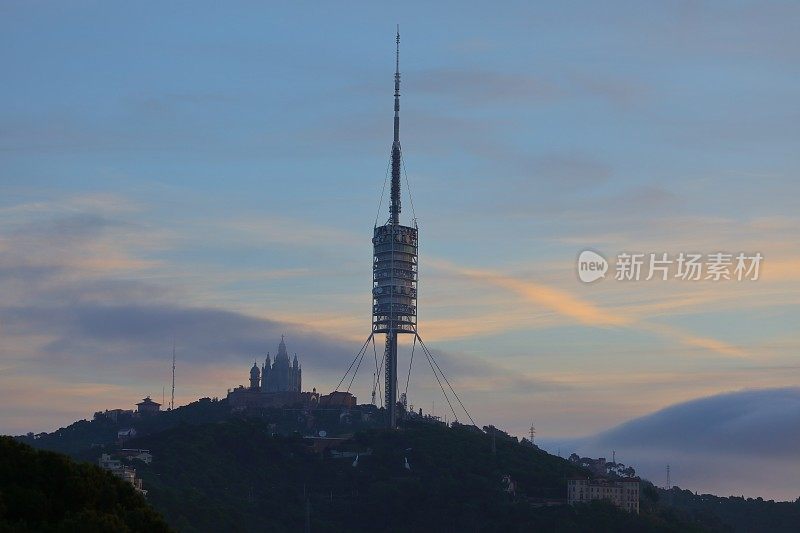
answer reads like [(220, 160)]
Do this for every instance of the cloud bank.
[(86, 322), (717, 444)]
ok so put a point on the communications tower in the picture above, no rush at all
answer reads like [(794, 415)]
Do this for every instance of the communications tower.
[(394, 291), (394, 268)]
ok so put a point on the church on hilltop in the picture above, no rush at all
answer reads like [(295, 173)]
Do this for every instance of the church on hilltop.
[(276, 384), (279, 384), (279, 376)]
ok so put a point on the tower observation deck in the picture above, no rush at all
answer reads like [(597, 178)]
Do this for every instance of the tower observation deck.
[(394, 268)]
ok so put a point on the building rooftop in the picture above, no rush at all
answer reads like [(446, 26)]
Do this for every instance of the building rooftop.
[(600, 480), (148, 401)]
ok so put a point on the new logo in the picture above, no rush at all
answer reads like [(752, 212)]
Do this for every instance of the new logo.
[(591, 266)]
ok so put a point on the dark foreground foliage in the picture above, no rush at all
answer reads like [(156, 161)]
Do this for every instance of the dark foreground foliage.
[(46, 491)]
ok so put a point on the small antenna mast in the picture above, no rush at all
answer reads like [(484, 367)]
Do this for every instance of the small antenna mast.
[(172, 400)]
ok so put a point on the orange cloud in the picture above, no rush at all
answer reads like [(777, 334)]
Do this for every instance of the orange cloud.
[(559, 301), (582, 311), (707, 343)]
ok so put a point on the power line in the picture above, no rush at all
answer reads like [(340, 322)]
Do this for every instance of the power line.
[(377, 384), (363, 353), (425, 348), (408, 186), (353, 362), (411, 362), (383, 192), (428, 356)]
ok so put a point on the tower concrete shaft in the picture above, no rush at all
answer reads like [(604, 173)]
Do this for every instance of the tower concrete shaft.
[(391, 379)]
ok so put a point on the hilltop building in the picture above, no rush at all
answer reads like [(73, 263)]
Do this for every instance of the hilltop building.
[(279, 376), (338, 399), (275, 384), (623, 492), (148, 407)]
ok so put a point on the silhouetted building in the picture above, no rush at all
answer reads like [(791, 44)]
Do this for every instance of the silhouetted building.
[(275, 384), (148, 407), (623, 492), (280, 376), (255, 377), (338, 399), (121, 471)]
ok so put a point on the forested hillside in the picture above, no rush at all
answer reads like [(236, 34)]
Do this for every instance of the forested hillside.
[(235, 476), (743, 515), (213, 470), (46, 491)]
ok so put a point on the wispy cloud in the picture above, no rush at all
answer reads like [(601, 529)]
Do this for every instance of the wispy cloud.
[(584, 312)]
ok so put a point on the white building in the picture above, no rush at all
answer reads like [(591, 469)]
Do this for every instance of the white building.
[(129, 475), (624, 492), (108, 463), (125, 434), (123, 472)]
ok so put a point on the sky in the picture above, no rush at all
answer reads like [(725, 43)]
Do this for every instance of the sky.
[(210, 174)]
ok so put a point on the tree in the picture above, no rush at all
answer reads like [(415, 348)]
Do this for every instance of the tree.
[(46, 491)]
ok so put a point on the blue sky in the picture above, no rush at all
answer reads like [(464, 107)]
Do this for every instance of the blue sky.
[(213, 173)]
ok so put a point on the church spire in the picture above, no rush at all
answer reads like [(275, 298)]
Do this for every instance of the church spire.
[(283, 355), (394, 208)]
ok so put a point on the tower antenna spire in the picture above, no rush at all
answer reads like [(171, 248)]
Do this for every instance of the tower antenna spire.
[(394, 208)]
